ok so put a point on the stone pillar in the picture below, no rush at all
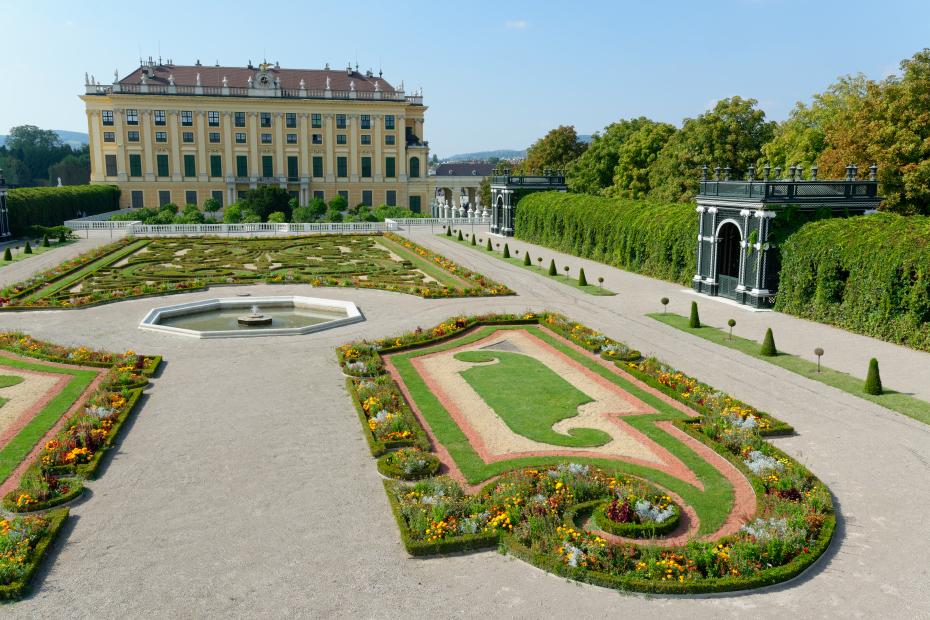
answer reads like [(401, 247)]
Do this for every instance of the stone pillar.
[(329, 145), (122, 163), (201, 117), (229, 163), (97, 168), (402, 154), (304, 137), (352, 119), (279, 164), (378, 120), (174, 133), (148, 158)]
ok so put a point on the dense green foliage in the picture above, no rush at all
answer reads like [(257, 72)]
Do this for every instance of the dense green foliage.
[(555, 150), (50, 206), (694, 321), (648, 238), (868, 274), (873, 381), (36, 157), (768, 344)]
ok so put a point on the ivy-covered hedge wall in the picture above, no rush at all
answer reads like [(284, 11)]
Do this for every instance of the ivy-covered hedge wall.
[(868, 274), (653, 239), (51, 206)]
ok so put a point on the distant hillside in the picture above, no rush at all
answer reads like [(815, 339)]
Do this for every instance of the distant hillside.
[(74, 139), (500, 153)]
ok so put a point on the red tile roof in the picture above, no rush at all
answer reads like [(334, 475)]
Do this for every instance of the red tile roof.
[(314, 79)]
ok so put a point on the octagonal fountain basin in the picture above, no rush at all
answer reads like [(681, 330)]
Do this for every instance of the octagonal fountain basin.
[(239, 317)]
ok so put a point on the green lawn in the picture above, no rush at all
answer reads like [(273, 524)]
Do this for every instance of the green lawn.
[(529, 397), (712, 505), (19, 446), (37, 249), (541, 268), (427, 267), (896, 401)]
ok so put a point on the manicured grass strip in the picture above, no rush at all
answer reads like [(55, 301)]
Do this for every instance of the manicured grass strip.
[(19, 447), (7, 381), (103, 261), (896, 401), (37, 249), (427, 267), (712, 505), (542, 269)]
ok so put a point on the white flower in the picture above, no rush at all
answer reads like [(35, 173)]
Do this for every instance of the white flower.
[(573, 553), (647, 511), (759, 463)]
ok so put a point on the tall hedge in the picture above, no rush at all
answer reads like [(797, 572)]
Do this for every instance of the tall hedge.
[(867, 274), (653, 239), (51, 206)]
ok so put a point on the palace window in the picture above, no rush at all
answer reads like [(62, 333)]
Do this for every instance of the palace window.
[(240, 138), (344, 193), (240, 119), (164, 197), (161, 165), (266, 138), (341, 138), (366, 138), (366, 197), (161, 136), (132, 117), (389, 139), (190, 197), (292, 174), (187, 118), (136, 199), (132, 136), (213, 119), (109, 136), (110, 165), (292, 138), (290, 120), (266, 119), (317, 166), (318, 138), (214, 137), (318, 193), (217, 195), (389, 121), (366, 167), (390, 198), (365, 121), (316, 120), (242, 165), (187, 136), (135, 165), (340, 121), (342, 167), (216, 165), (415, 204), (267, 166), (390, 169), (190, 165), (107, 116), (160, 117), (414, 168)]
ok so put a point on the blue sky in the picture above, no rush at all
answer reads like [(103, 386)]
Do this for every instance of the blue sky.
[(494, 74)]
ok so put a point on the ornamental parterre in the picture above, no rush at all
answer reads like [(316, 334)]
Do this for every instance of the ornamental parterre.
[(551, 511)]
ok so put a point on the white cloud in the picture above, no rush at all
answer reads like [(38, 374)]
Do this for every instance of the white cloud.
[(515, 24)]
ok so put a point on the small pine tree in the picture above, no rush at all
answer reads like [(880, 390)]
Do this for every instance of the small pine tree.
[(526, 259), (873, 380), (768, 344), (695, 320), (488, 246), (7, 255), (552, 269), (45, 243), (582, 281), (448, 231), (460, 235), (473, 242), (506, 251), (27, 249)]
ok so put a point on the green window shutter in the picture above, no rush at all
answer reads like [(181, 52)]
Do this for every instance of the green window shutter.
[(414, 168), (390, 170), (318, 167), (342, 167), (267, 165), (190, 166), (162, 162), (216, 165), (242, 165), (292, 167), (366, 166), (135, 165)]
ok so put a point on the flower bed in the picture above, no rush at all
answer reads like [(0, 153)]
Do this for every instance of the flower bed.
[(637, 511), (23, 542), (40, 489), (534, 512), (408, 464)]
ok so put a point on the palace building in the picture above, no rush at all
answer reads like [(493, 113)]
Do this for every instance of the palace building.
[(182, 134)]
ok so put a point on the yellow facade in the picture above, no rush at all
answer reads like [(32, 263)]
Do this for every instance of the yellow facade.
[(180, 144)]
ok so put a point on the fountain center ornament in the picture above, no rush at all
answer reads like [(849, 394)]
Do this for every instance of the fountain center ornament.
[(254, 319)]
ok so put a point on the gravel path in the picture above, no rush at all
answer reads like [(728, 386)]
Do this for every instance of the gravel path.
[(22, 269), (243, 487)]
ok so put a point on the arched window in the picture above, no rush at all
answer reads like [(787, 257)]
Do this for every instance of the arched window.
[(414, 167)]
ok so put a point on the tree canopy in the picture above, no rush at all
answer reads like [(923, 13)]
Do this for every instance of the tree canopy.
[(555, 150)]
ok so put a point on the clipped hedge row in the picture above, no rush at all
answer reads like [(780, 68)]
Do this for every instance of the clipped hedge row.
[(19, 588), (51, 206), (653, 239), (868, 274)]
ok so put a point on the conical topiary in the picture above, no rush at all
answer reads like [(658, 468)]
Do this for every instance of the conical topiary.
[(488, 246), (7, 255), (526, 259), (460, 235), (552, 270), (695, 320), (873, 380), (768, 344), (27, 249), (45, 243), (582, 281), (473, 242), (506, 251)]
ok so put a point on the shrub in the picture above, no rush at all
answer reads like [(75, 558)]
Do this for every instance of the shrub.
[(873, 381), (731, 323), (232, 214), (448, 231), (768, 344), (7, 255), (552, 269), (526, 259), (276, 217), (694, 321), (460, 235), (51, 206), (45, 242), (488, 247), (473, 240), (506, 251), (582, 281), (27, 249), (664, 302), (652, 239)]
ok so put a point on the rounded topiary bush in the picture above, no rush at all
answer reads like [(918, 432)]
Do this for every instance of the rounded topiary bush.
[(633, 526), (694, 321), (768, 344), (873, 380), (408, 464)]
